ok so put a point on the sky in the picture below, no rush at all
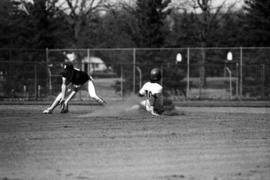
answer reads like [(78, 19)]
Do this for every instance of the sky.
[(215, 3), (238, 3)]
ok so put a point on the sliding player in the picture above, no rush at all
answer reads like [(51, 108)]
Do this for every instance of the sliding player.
[(152, 91), (73, 80)]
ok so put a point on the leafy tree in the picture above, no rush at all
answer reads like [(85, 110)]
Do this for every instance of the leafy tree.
[(143, 26), (201, 24), (29, 26), (182, 33), (5, 7), (36, 24), (44, 25), (150, 16), (257, 15), (9, 26), (112, 30), (257, 33), (230, 30)]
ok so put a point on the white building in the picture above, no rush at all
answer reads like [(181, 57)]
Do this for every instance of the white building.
[(93, 64)]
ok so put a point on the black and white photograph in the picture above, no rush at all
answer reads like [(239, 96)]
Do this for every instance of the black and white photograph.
[(134, 89)]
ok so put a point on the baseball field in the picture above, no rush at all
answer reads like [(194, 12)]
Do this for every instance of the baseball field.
[(106, 143)]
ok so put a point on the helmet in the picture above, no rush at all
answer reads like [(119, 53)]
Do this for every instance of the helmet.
[(155, 75), (68, 66)]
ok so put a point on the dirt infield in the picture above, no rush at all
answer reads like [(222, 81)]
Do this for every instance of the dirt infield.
[(93, 143)]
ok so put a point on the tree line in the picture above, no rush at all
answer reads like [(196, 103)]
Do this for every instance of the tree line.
[(79, 24), (40, 24)]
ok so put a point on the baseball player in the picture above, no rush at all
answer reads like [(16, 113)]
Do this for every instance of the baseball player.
[(152, 91), (73, 80)]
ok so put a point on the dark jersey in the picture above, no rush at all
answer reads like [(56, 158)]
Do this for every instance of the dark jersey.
[(75, 76)]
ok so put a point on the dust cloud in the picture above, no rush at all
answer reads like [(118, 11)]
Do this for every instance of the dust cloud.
[(122, 107)]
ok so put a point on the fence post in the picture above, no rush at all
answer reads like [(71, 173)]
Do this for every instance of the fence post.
[(134, 69), (49, 75), (241, 74), (237, 80), (140, 76), (35, 84), (88, 57), (162, 74), (188, 61), (121, 83), (10, 54), (263, 80)]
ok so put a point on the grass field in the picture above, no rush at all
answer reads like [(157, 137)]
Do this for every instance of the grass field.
[(104, 143)]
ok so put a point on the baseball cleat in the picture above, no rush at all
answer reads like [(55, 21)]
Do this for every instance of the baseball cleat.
[(47, 111), (102, 101), (64, 109)]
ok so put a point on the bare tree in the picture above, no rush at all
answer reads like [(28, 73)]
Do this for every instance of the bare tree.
[(79, 14), (208, 14)]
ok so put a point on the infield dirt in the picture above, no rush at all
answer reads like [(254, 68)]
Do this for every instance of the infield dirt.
[(101, 144)]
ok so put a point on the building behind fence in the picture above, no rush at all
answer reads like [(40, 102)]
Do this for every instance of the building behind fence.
[(188, 73)]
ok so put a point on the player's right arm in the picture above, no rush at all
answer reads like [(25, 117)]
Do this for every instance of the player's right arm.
[(142, 91), (145, 90)]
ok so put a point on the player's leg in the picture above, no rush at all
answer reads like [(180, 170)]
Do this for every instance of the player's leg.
[(149, 107), (92, 92), (135, 107), (55, 103), (72, 92), (152, 111), (138, 106), (145, 105)]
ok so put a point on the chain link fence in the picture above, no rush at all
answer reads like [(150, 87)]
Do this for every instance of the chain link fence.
[(188, 73)]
